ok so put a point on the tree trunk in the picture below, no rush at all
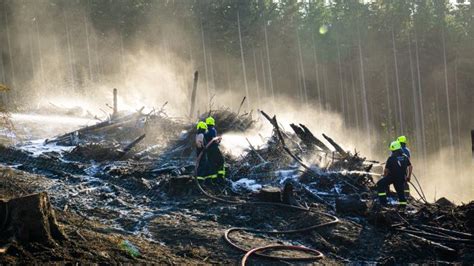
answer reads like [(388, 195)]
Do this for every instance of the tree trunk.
[(270, 78), (399, 97), (315, 56), (364, 91), (208, 93), (257, 85), (418, 140), (243, 62), (448, 108), (305, 91)]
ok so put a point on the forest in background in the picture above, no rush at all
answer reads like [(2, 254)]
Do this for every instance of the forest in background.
[(387, 67)]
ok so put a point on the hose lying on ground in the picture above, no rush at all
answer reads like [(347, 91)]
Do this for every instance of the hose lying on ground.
[(254, 251), (318, 255)]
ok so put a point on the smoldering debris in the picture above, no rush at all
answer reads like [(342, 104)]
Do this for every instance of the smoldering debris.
[(131, 175)]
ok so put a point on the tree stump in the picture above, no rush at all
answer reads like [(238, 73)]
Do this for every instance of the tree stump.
[(29, 219), (270, 194)]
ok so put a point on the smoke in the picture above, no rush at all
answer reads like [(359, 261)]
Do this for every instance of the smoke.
[(443, 177), (287, 110), (65, 56), (440, 175), (149, 82), (68, 62)]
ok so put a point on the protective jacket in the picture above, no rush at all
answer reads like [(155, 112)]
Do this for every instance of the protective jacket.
[(397, 165), (406, 151)]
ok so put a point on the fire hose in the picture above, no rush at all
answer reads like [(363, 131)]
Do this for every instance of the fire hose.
[(422, 195), (418, 192), (318, 255)]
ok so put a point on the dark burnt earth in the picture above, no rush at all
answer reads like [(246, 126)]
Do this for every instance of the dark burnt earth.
[(148, 197)]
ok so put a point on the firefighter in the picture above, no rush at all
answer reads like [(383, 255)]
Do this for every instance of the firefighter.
[(403, 142), (406, 151), (202, 164), (214, 155), (397, 172)]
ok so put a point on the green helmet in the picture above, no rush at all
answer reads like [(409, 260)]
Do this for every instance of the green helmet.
[(201, 125), (210, 121), (395, 145), (402, 139)]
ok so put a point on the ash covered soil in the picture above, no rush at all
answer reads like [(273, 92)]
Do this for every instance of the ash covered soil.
[(123, 180)]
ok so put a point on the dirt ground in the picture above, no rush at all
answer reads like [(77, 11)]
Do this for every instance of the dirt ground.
[(190, 231)]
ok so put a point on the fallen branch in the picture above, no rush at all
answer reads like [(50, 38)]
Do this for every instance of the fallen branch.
[(447, 231), (338, 148), (255, 151), (434, 244), (274, 122), (269, 118), (308, 137), (315, 196), (131, 145), (422, 233)]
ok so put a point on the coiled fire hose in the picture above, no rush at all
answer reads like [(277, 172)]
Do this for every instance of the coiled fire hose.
[(317, 254)]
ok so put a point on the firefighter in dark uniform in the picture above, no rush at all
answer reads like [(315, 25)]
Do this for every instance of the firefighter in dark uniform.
[(214, 155), (406, 151), (397, 172)]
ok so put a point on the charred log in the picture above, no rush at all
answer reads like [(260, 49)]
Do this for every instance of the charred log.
[(336, 146), (307, 137)]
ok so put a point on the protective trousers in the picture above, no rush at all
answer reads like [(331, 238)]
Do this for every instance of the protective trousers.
[(216, 161), (383, 186), (407, 190)]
